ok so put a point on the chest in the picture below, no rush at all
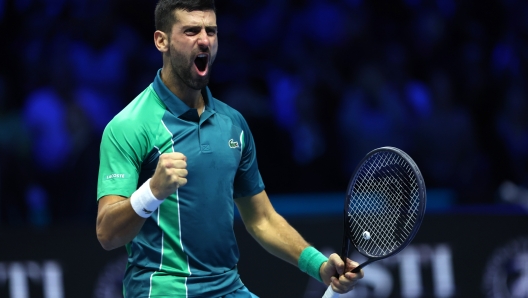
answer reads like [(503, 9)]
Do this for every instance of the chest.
[(212, 146)]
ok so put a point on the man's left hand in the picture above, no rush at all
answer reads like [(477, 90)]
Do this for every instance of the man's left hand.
[(335, 266)]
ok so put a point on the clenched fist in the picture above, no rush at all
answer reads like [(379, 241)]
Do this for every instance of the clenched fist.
[(169, 175)]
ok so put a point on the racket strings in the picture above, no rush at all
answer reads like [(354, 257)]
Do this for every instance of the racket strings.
[(385, 203)]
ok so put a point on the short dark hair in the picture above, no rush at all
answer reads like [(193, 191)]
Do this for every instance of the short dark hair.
[(164, 13)]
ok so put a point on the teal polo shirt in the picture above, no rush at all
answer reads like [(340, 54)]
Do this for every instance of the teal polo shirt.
[(187, 248)]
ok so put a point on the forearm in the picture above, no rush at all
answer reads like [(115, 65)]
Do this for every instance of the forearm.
[(118, 224), (279, 238)]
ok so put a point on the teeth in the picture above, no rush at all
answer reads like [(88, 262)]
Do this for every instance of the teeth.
[(202, 56)]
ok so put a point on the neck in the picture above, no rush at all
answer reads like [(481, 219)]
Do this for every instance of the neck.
[(191, 97)]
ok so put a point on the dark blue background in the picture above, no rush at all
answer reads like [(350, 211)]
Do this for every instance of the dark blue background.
[(321, 83)]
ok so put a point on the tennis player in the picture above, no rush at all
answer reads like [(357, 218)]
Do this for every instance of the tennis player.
[(174, 162)]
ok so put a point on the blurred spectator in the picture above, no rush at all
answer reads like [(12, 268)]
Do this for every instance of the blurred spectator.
[(45, 115), (293, 109), (15, 168), (445, 144), (371, 115), (512, 125)]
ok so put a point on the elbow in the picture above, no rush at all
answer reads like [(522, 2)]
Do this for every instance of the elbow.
[(250, 230), (104, 234), (105, 240), (256, 229), (107, 245)]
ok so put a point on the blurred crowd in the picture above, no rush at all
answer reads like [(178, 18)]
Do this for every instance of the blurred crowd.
[(320, 82)]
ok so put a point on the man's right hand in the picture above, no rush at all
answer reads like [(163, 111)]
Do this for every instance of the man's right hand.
[(169, 175)]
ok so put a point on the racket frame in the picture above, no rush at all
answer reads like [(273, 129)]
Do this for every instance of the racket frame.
[(346, 230)]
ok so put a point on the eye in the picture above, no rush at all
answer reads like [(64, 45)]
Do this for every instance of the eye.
[(211, 32), (192, 31)]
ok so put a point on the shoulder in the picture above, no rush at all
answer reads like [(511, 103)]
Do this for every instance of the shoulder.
[(143, 111), (225, 110)]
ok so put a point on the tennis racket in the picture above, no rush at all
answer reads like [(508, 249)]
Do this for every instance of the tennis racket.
[(384, 206)]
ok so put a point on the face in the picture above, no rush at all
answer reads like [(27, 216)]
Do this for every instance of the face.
[(193, 45)]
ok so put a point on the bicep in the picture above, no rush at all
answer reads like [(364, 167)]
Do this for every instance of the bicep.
[(108, 200), (105, 202), (117, 222), (255, 209)]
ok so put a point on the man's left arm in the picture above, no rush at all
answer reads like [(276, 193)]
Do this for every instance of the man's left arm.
[(279, 238)]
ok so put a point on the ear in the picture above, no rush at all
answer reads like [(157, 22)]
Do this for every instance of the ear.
[(161, 41)]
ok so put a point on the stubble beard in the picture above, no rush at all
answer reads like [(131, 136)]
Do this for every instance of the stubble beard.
[(182, 68)]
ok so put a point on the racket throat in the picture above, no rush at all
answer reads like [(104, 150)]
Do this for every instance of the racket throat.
[(358, 268), (344, 255), (344, 251)]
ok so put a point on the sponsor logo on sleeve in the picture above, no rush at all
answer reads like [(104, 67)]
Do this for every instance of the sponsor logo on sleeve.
[(117, 176)]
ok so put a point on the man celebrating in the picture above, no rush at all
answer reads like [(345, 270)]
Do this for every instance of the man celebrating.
[(193, 157)]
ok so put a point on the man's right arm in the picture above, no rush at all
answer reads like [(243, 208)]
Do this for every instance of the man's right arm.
[(118, 222)]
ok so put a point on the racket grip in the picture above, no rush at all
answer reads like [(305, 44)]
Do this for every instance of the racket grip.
[(330, 293)]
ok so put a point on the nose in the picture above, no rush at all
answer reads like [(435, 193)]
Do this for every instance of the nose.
[(203, 40)]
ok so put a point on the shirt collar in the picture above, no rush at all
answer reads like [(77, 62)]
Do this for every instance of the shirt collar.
[(173, 103)]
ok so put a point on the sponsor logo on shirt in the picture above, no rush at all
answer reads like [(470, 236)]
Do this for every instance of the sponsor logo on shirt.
[(233, 144), (116, 176)]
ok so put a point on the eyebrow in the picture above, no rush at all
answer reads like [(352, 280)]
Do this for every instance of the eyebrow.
[(199, 26)]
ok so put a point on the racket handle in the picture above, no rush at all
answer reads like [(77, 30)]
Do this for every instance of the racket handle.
[(330, 293)]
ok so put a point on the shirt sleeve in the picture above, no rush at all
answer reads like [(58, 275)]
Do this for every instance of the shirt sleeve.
[(248, 181), (120, 160)]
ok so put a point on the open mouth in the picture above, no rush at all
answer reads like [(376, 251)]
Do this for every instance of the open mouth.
[(201, 63)]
